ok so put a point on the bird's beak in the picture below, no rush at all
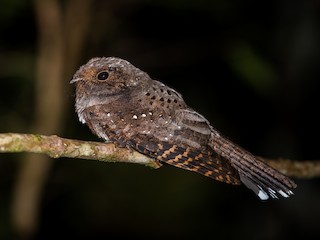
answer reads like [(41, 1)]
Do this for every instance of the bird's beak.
[(75, 80)]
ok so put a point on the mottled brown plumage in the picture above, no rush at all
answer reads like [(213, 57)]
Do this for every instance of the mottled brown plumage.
[(122, 104)]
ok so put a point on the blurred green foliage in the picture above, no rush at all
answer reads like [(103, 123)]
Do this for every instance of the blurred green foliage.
[(253, 70)]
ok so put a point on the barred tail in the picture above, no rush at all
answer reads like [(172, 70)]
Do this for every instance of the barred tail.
[(262, 179)]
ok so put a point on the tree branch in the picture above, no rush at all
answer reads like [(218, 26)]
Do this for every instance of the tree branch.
[(57, 147)]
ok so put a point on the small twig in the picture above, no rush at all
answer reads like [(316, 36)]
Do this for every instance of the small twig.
[(56, 147), (300, 169)]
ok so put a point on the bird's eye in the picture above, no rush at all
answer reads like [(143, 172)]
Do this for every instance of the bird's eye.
[(102, 76)]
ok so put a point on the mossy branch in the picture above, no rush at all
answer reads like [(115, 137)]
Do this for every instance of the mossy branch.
[(57, 147)]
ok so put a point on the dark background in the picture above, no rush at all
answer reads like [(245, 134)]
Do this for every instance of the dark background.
[(250, 67)]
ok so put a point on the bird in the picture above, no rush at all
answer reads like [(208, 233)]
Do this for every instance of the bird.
[(122, 104)]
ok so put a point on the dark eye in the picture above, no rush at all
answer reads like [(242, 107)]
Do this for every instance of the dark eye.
[(103, 76)]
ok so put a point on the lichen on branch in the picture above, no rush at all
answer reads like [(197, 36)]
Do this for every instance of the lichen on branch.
[(57, 147)]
